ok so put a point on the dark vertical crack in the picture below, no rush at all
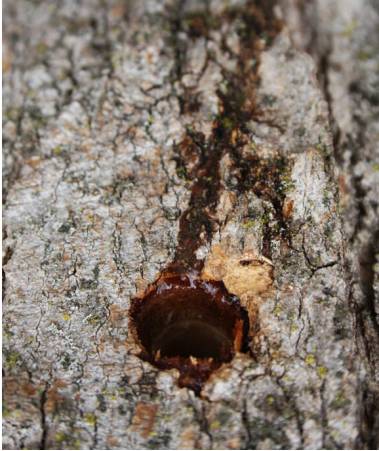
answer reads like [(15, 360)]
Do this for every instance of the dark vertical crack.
[(95, 438), (367, 260), (367, 323), (44, 427), (200, 417), (323, 70), (245, 421), (7, 256), (178, 46), (369, 427)]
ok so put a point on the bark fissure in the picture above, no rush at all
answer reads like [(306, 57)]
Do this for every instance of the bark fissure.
[(44, 427)]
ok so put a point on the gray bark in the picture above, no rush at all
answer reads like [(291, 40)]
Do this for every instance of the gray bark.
[(112, 110)]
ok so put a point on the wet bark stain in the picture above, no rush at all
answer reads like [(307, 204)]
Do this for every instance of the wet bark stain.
[(257, 27), (219, 325)]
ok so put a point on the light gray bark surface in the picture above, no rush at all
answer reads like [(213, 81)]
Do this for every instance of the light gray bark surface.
[(104, 102)]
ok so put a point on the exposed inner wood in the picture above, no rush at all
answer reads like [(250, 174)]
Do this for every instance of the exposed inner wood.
[(189, 324)]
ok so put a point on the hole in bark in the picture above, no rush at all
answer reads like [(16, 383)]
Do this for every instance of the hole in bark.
[(189, 324)]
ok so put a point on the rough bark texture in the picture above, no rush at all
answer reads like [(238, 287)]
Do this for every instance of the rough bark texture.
[(237, 139)]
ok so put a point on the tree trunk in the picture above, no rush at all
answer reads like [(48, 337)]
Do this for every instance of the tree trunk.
[(228, 146)]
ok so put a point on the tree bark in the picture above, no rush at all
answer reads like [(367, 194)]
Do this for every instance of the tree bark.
[(233, 142)]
